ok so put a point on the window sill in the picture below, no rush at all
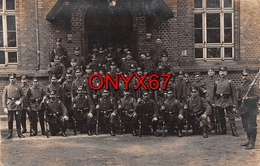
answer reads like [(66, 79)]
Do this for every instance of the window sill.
[(7, 70)]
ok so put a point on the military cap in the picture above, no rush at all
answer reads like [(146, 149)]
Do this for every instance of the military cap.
[(148, 54), (88, 67), (93, 56), (146, 93), (56, 58), (193, 88), (170, 92), (164, 55), (80, 88), (78, 70), (196, 73), (53, 76), (245, 72), (58, 40), (24, 77), (211, 68), (35, 78), (222, 68), (105, 90), (73, 60), (186, 74), (95, 50), (109, 55), (181, 72), (53, 92), (158, 37), (129, 53), (69, 71), (12, 75), (76, 48), (112, 63), (132, 66), (139, 69)]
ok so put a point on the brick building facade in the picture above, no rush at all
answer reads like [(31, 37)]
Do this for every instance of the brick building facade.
[(39, 22)]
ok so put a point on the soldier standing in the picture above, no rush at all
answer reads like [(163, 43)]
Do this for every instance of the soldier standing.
[(164, 66), (186, 88), (148, 64), (25, 87), (56, 87), (79, 81), (79, 59), (157, 51), (179, 85), (225, 98), (209, 86), (247, 103), (12, 98), (56, 114), (61, 52), (199, 84), (35, 95), (83, 108), (107, 108)]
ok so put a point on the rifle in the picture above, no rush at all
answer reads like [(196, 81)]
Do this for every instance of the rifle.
[(163, 117), (186, 118), (216, 122), (120, 117), (75, 122), (47, 123), (249, 88), (97, 121)]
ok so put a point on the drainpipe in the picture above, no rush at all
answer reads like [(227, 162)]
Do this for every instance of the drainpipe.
[(37, 35)]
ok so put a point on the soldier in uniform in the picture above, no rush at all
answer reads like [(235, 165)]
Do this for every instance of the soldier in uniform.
[(126, 107), (25, 103), (57, 68), (158, 50), (172, 109), (56, 114), (199, 111), (35, 95), (247, 104), (73, 67), (179, 85), (198, 83), (225, 98), (94, 64), (83, 108), (12, 98), (107, 108), (79, 81), (148, 64), (126, 65), (60, 52), (56, 87), (164, 66), (209, 86), (79, 59), (186, 88), (66, 85), (147, 110)]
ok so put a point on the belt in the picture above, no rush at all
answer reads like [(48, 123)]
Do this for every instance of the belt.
[(222, 95), (13, 98)]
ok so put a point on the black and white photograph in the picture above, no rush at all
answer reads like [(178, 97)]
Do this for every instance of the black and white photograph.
[(129, 82)]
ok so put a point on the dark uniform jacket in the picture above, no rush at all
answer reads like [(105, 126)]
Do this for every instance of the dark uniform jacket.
[(209, 87), (76, 83), (186, 90), (179, 86), (173, 106), (249, 105), (157, 51), (108, 104), (11, 94), (128, 103), (59, 91), (198, 105), (62, 53), (163, 67), (25, 102), (201, 87), (225, 93), (148, 65), (35, 96), (84, 102), (66, 85), (80, 61), (55, 107), (57, 69), (148, 108)]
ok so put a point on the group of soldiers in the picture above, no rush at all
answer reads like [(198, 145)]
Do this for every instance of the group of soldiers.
[(69, 102)]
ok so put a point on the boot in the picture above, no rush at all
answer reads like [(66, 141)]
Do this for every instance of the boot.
[(89, 129), (42, 128), (24, 131), (251, 144), (10, 134), (248, 140), (64, 134), (154, 131), (180, 133), (19, 134), (204, 132), (89, 132), (112, 130), (233, 128), (134, 132)]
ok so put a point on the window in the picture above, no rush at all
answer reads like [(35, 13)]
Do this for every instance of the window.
[(214, 29), (8, 45)]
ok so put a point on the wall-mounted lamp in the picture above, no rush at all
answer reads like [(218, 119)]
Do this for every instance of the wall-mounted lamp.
[(148, 36), (69, 38)]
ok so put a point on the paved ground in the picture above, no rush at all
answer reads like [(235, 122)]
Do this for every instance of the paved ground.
[(127, 150)]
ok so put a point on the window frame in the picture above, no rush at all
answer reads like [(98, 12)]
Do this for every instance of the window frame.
[(6, 49), (204, 45)]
